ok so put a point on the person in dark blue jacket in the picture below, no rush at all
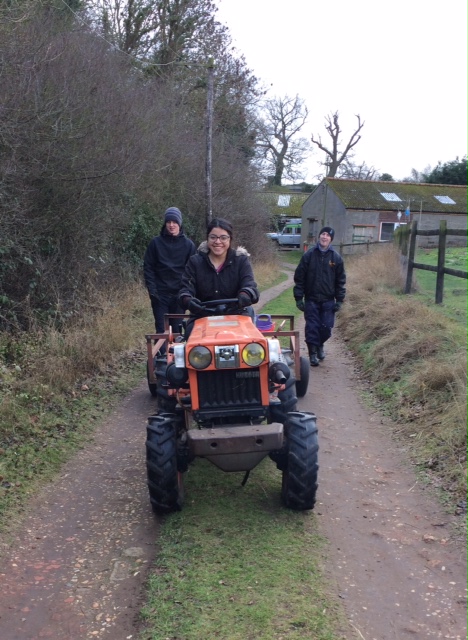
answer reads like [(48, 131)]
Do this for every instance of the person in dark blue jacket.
[(163, 266), (319, 291)]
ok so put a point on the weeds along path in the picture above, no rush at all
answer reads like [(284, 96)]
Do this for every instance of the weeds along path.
[(77, 567)]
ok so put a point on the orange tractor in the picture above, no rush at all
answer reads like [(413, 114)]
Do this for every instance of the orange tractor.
[(227, 391)]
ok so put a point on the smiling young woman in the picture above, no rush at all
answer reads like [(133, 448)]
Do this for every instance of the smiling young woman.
[(218, 271), (219, 242)]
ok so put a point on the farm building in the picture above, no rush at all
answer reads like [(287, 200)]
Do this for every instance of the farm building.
[(364, 211)]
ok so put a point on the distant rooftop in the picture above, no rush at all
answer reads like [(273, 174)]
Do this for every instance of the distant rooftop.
[(393, 196)]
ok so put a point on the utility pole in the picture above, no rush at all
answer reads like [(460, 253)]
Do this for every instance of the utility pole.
[(209, 137)]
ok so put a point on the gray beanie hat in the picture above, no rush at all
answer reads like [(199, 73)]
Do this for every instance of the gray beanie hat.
[(173, 214)]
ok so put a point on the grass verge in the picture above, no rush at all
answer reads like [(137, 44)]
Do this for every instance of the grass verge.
[(454, 303), (268, 275), (292, 257), (56, 388), (284, 304)]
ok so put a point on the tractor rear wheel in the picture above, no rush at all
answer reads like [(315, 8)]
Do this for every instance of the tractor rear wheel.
[(164, 480), (299, 486)]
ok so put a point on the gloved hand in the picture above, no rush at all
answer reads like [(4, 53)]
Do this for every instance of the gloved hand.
[(185, 301), (300, 304), (337, 306), (195, 307), (244, 299), (192, 304)]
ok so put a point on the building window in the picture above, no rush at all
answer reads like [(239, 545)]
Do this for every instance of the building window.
[(283, 201), (391, 197), (445, 199), (387, 230)]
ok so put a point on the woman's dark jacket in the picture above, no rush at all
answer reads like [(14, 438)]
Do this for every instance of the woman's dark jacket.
[(164, 262), (202, 281), (320, 276)]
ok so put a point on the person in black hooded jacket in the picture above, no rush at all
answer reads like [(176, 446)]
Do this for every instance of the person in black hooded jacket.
[(163, 266), (218, 272)]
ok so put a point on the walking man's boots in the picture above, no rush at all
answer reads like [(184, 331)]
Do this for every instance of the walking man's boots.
[(320, 352), (313, 355)]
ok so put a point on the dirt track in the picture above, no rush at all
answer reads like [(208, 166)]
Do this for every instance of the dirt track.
[(77, 568)]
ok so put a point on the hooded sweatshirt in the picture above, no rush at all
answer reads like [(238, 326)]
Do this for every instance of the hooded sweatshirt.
[(164, 262)]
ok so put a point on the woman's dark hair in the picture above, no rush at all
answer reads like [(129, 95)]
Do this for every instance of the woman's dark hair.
[(221, 224)]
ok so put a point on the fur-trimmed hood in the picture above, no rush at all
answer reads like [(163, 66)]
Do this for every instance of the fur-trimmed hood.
[(240, 251)]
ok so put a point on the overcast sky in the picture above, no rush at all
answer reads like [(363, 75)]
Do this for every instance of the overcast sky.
[(401, 65)]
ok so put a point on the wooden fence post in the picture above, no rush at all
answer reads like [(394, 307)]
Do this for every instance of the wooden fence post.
[(412, 250), (405, 232), (439, 296)]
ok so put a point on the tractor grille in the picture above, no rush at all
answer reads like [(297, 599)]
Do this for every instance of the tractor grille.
[(229, 389)]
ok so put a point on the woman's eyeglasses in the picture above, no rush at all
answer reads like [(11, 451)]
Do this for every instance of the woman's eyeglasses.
[(213, 238)]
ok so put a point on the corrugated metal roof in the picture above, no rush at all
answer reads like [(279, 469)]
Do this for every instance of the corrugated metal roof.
[(367, 194)]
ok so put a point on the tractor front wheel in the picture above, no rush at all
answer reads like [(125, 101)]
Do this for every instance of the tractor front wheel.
[(299, 486), (164, 480)]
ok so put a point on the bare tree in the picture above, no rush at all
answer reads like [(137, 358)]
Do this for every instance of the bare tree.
[(357, 171), (281, 151), (336, 157)]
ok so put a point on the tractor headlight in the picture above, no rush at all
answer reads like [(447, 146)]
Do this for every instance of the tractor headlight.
[(200, 357), (253, 354), (274, 349)]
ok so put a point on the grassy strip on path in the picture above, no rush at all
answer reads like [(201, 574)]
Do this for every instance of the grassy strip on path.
[(236, 565)]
